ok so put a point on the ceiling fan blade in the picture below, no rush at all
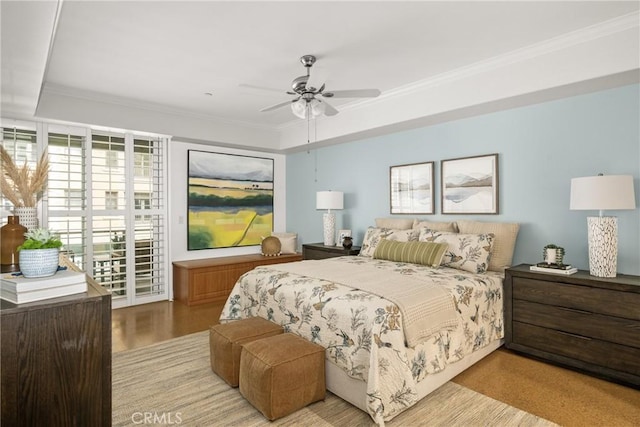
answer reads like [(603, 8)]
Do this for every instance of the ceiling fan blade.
[(279, 105), (356, 93), (329, 110)]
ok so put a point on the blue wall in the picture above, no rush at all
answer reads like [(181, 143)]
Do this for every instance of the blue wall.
[(541, 147)]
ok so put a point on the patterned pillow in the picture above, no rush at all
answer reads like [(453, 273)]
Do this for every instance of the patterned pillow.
[(425, 253), (468, 252), (373, 236), (504, 242)]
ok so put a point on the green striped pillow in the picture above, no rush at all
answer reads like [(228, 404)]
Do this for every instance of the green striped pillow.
[(425, 253)]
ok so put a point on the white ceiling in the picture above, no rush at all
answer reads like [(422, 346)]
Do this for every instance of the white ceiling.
[(147, 65)]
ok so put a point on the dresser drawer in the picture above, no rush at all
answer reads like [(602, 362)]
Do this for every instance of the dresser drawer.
[(595, 300), (593, 325), (611, 356)]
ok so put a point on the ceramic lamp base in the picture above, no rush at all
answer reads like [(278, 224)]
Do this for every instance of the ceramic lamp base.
[(603, 245), (329, 227)]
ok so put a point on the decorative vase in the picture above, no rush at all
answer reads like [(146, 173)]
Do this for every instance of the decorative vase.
[(11, 236), (28, 216), (347, 242), (39, 262)]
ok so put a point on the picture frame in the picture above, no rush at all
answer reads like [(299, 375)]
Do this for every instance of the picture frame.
[(412, 188), (341, 235), (229, 200), (469, 185)]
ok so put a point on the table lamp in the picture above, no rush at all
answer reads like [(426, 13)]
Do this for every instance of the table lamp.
[(610, 192), (329, 200)]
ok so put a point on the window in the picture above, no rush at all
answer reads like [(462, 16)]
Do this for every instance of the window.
[(112, 159), (105, 199), (111, 200), (142, 164), (74, 199), (20, 143)]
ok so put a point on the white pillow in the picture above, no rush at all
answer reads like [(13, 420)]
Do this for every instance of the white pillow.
[(288, 242)]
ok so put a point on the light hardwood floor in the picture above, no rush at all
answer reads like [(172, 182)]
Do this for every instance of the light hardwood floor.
[(559, 395)]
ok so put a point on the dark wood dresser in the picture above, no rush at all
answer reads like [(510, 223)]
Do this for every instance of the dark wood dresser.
[(56, 360), (320, 251), (579, 321)]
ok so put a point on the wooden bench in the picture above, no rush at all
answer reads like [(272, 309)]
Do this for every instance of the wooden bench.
[(207, 280)]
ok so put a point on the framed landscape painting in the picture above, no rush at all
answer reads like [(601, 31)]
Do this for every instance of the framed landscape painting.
[(412, 188), (470, 185), (230, 200)]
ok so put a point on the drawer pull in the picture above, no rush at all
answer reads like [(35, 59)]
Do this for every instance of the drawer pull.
[(575, 310), (574, 335)]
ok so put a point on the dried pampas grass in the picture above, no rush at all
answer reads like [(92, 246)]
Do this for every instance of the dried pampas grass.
[(20, 185)]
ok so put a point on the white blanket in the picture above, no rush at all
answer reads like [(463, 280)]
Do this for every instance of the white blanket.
[(426, 308)]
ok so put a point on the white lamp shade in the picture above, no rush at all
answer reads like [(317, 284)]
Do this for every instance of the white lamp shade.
[(329, 200), (604, 192)]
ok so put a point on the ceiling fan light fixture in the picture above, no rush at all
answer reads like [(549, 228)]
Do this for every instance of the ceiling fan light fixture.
[(303, 108), (299, 108), (317, 107)]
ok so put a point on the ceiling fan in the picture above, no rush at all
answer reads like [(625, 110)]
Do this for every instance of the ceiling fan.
[(307, 104)]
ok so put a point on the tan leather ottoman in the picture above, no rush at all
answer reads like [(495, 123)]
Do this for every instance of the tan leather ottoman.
[(225, 343), (281, 374)]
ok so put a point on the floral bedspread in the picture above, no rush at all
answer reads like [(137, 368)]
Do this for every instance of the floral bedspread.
[(363, 332)]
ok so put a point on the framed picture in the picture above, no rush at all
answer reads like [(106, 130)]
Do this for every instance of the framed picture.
[(411, 188), (341, 235), (230, 200), (470, 185)]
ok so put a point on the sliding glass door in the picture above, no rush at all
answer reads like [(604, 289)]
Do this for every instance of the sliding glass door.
[(105, 197)]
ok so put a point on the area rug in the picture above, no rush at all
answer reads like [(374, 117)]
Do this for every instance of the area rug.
[(171, 383)]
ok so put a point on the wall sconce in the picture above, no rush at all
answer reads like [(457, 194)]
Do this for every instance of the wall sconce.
[(329, 200), (611, 192)]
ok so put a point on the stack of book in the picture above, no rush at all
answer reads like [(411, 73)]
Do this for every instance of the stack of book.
[(565, 269), (19, 289)]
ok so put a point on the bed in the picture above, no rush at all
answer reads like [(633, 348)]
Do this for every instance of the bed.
[(386, 352)]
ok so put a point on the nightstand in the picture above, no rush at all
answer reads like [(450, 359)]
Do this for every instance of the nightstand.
[(320, 251), (583, 322)]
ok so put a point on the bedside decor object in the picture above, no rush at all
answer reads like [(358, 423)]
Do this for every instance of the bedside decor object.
[(341, 235), (23, 187), (347, 242), (411, 188), (39, 253), (469, 185), (11, 237), (552, 254), (271, 246), (329, 200), (610, 192)]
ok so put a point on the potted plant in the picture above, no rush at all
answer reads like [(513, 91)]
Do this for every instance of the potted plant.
[(39, 254), (23, 187)]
